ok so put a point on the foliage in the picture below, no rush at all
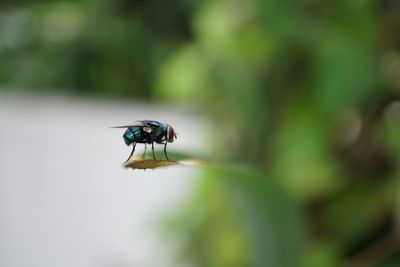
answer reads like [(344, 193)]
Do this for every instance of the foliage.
[(304, 93), (104, 47)]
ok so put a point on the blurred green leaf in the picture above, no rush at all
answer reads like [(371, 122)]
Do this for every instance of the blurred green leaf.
[(251, 221)]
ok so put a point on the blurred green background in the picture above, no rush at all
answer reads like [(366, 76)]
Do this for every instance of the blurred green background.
[(302, 97)]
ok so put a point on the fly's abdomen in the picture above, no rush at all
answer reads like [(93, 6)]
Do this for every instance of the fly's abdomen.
[(132, 134)]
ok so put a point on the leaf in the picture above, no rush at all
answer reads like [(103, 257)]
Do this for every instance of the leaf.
[(176, 158)]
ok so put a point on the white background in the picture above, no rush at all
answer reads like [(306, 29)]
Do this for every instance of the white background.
[(65, 199)]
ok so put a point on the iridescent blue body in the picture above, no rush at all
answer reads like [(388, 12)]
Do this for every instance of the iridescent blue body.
[(132, 134), (148, 132)]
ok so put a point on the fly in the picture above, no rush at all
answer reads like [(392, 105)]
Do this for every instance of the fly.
[(148, 132)]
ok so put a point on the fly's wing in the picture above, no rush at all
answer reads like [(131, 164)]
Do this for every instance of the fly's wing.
[(143, 127), (124, 126), (151, 123), (140, 124), (147, 126)]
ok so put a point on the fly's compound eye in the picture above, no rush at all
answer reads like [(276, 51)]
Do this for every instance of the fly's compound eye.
[(170, 134)]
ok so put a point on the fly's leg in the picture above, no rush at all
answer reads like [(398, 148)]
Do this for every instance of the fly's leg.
[(144, 152), (165, 150), (133, 150), (152, 149)]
